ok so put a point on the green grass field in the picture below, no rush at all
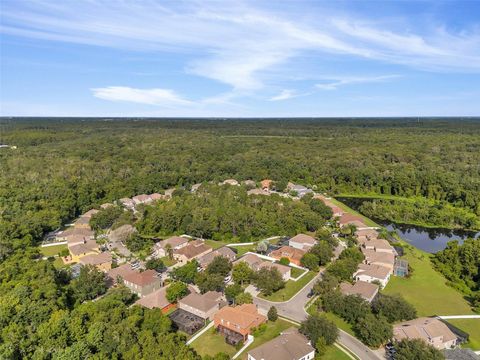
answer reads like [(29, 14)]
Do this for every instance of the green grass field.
[(472, 327), (290, 289), (216, 244), (344, 207), (168, 262), (334, 353), (295, 273), (273, 330), (241, 250), (426, 289), (52, 250), (211, 343)]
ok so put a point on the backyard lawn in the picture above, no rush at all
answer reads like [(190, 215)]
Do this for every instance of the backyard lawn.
[(168, 262), (211, 343), (290, 289), (241, 250), (52, 250), (334, 353), (426, 289), (216, 244), (295, 272), (472, 327)]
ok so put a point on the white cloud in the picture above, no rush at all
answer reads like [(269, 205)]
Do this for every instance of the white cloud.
[(159, 97), (332, 83), (284, 95)]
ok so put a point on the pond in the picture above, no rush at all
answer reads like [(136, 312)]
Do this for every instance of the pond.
[(427, 239)]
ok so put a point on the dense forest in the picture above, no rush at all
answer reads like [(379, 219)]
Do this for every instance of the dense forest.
[(62, 167)]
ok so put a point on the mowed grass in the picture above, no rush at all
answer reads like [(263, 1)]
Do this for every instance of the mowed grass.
[(295, 272), (212, 343), (345, 208), (167, 261), (242, 250), (472, 327), (216, 244), (273, 330), (426, 289), (290, 289), (52, 250), (334, 353)]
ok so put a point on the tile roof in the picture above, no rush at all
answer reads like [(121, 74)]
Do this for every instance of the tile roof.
[(242, 315), (156, 299), (142, 278), (194, 248), (203, 302), (96, 259), (373, 256), (423, 328), (224, 251), (288, 251), (88, 246), (362, 288), (174, 241), (289, 345), (304, 239), (375, 271)]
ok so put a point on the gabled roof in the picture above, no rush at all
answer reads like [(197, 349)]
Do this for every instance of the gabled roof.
[(423, 328), (194, 248), (372, 256), (89, 213), (122, 271), (143, 278), (362, 288), (289, 345), (374, 271), (174, 241), (288, 251), (251, 259), (156, 299), (88, 246), (304, 239), (224, 251), (96, 259), (282, 269), (243, 315), (203, 302)]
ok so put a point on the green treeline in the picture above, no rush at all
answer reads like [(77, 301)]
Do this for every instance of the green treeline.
[(460, 264), (63, 167), (421, 212), (227, 212)]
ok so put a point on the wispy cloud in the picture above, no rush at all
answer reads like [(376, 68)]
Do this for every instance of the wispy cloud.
[(159, 97), (333, 83), (284, 95)]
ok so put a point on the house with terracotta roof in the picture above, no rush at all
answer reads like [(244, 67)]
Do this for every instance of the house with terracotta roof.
[(289, 345), (266, 184), (236, 323), (371, 273), (175, 242), (431, 330), (292, 254), (366, 290), (224, 251), (350, 219), (156, 300), (193, 250), (302, 242), (143, 283), (102, 261), (202, 305)]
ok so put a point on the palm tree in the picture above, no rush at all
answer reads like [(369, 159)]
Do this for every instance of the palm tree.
[(169, 251)]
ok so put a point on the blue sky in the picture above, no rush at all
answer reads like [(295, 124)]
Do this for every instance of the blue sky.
[(228, 58)]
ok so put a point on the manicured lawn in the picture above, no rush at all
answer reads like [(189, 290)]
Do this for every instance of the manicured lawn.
[(426, 289), (344, 207), (295, 273), (273, 330), (241, 250), (52, 250), (58, 263), (290, 289), (334, 353), (216, 244), (472, 327), (341, 324), (168, 262), (211, 343)]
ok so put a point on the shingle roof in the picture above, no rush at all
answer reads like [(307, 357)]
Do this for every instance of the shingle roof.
[(202, 302), (122, 271), (174, 241), (304, 239), (423, 328), (156, 299), (224, 251), (87, 247), (242, 315), (143, 278), (375, 271), (362, 288), (288, 251), (194, 248), (289, 345), (281, 268), (96, 259)]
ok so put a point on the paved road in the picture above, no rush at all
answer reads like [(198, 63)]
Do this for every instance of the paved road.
[(294, 309)]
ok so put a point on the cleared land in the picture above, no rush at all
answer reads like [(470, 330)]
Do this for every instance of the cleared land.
[(290, 289), (426, 289)]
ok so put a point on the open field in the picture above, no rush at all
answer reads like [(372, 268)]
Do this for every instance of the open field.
[(290, 289), (273, 330), (344, 207), (52, 250), (472, 327), (426, 289)]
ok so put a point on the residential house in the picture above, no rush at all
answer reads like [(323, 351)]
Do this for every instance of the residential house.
[(373, 257), (377, 245), (258, 192), (400, 268), (236, 323), (102, 261), (289, 345), (117, 274), (90, 213), (336, 210), (256, 263), (106, 205), (82, 222), (292, 254), (175, 242), (193, 250), (249, 183), (202, 305), (300, 190), (141, 199), (169, 193), (77, 251), (363, 289), (231, 182), (143, 283), (460, 354), (127, 202), (433, 331), (371, 273), (156, 300), (75, 236), (224, 251), (266, 184), (350, 219), (302, 242)]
